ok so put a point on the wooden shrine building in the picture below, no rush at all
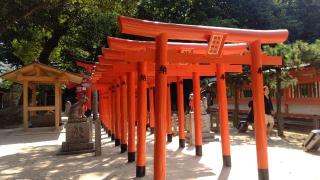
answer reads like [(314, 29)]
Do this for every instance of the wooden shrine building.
[(36, 73)]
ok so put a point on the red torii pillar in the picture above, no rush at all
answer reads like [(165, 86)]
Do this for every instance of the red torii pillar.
[(109, 112), (180, 104), (197, 113), (223, 115), (160, 105), (142, 119), (113, 113), (151, 110), (258, 106), (169, 121), (118, 114), (123, 87), (131, 117)]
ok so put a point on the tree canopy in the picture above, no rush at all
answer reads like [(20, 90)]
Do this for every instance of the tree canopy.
[(58, 32)]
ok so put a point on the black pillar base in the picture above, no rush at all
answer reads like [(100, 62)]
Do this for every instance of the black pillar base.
[(117, 142), (152, 130), (169, 137), (109, 133), (123, 148), (140, 171), (263, 174), (182, 143), (112, 137), (226, 161), (131, 157), (198, 150)]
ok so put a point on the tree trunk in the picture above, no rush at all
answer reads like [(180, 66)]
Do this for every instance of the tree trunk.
[(236, 105), (52, 43), (278, 102)]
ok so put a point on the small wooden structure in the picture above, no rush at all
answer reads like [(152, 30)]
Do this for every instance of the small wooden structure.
[(37, 73)]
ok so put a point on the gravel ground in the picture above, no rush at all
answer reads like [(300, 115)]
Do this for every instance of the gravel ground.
[(33, 155)]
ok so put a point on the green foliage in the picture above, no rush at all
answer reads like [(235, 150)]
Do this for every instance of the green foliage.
[(61, 31), (294, 55), (58, 31), (166, 10), (5, 84), (28, 49)]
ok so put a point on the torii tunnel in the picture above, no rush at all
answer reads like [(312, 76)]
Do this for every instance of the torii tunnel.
[(128, 69)]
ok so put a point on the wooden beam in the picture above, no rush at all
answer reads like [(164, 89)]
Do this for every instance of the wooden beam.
[(125, 44), (175, 56), (41, 108), (153, 29), (36, 78)]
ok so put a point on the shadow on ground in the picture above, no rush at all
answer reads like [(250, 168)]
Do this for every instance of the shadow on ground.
[(42, 162)]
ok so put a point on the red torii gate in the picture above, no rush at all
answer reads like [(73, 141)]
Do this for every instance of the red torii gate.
[(123, 44), (179, 68), (171, 69), (216, 36)]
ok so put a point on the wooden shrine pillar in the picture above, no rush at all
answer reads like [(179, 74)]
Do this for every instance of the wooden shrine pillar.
[(60, 104), (160, 107), (25, 105), (123, 88), (34, 98), (223, 114), (142, 120), (169, 121), (118, 114), (180, 104), (151, 110), (57, 99), (259, 112), (197, 113), (132, 117)]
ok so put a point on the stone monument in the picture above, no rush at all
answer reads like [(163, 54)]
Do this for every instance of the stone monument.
[(190, 136), (207, 135), (78, 131), (175, 124), (67, 108)]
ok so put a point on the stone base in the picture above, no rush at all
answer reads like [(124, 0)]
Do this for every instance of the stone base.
[(79, 132), (207, 135), (78, 137), (76, 148)]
